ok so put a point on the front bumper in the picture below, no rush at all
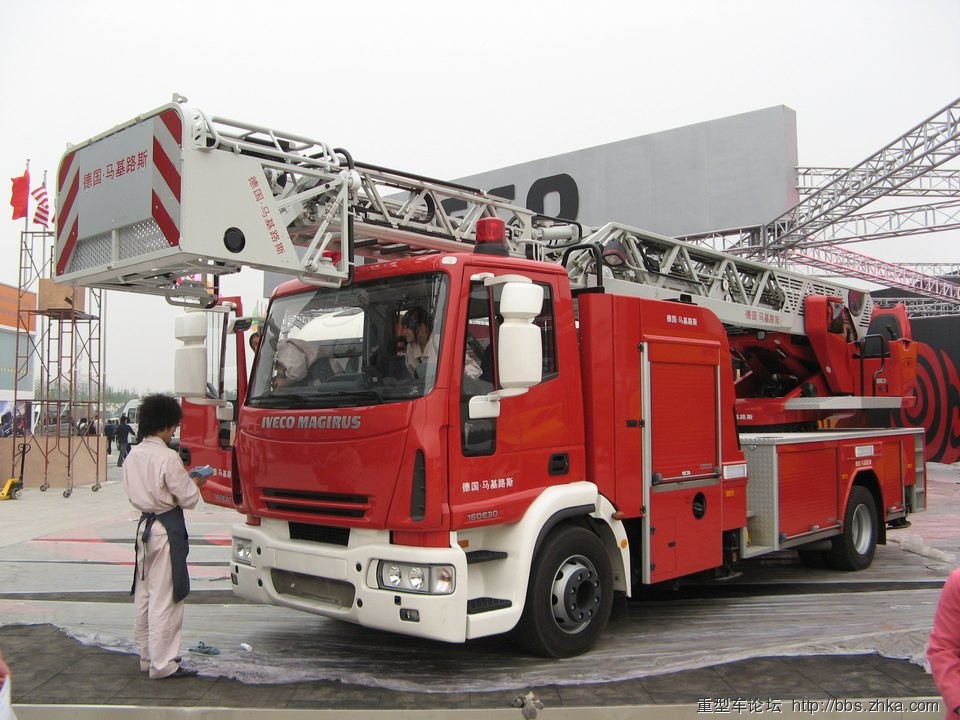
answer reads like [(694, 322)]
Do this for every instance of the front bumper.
[(341, 582)]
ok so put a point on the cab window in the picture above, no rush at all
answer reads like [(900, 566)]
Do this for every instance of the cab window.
[(479, 359)]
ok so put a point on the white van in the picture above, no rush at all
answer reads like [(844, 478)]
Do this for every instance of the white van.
[(132, 411)]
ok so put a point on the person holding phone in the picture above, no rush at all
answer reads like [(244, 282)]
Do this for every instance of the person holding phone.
[(160, 487)]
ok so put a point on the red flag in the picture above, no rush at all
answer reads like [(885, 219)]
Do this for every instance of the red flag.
[(42, 214), (21, 191)]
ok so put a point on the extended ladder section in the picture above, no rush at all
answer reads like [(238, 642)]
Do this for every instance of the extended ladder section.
[(169, 201), (742, 293)]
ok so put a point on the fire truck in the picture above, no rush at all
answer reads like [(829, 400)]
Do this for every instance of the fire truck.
[(587, 410)]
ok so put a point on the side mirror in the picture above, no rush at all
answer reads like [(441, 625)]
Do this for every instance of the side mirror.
[(519, 349), (190, 361), (241, 324), (484, 406)]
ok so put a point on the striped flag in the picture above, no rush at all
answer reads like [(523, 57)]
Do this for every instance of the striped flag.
[(42, 214)]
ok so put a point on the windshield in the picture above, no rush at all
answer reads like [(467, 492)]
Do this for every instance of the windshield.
[(365, 344)]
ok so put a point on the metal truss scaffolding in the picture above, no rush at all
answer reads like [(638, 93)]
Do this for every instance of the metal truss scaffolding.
[(64, 424), (934, 183), (812, 232), (923, 148)]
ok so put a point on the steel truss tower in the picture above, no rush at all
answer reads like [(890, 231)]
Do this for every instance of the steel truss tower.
[(66, 420), (813, 231)]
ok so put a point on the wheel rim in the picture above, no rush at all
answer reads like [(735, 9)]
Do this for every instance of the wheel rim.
[(576, 594), (862, 530)]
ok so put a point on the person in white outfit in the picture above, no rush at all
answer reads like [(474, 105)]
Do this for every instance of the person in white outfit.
[(160, 488), (422, 345)]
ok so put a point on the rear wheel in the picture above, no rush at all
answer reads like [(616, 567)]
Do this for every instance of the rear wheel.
[(855, 547), (569, 596)]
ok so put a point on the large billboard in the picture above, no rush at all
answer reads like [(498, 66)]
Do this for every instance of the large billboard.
[(727, 174)]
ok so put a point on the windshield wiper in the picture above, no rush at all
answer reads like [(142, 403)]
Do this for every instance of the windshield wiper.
[(353, 395), (317, 399), (291, 399)]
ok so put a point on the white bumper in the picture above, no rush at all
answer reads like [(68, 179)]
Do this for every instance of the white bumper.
[(341, 582)]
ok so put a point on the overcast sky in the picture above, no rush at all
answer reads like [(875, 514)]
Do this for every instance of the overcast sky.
[(448, 89)]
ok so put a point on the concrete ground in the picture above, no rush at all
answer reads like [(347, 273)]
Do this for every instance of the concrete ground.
[(65, 564)]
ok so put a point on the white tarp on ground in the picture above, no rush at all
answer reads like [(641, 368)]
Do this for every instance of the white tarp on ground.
[(783, 609)]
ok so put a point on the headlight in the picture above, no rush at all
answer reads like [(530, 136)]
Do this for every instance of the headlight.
[(416, 578), (423, 579), (242, 551)]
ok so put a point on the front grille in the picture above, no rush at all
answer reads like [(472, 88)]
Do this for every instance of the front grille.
[(316, 503), (320, 534)]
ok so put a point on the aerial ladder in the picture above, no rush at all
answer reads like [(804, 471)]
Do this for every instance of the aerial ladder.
[(169, 202)]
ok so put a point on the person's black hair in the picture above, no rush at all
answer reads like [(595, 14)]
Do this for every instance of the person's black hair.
[(416, 316), (157, 413)]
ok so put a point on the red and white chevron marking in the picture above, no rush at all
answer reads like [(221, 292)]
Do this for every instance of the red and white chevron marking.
[(68, 185), (167, 149)]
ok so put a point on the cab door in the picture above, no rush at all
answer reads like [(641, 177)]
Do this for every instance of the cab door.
[(497, 464), (205, 440)]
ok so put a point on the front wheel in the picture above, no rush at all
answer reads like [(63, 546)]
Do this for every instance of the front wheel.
[(569, 596), (855, 547)]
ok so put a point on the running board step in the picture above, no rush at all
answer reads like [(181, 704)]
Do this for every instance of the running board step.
[(479, 556), (486, 604)]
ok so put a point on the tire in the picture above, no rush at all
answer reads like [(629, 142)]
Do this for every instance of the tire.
[(855, 547), (571, 564)]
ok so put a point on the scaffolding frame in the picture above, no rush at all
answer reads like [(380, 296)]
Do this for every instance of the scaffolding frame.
[(68, 346)]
